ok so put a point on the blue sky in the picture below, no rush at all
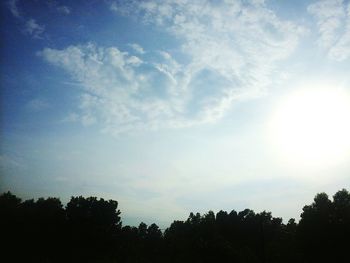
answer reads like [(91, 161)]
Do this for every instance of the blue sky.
[(166, 106)]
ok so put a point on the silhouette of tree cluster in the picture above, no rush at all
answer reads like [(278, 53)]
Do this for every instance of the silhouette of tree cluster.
[(90, 230)]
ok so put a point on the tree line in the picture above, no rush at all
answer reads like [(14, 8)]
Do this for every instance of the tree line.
[(90, 230)]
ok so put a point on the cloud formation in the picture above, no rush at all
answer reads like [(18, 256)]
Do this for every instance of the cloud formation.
[(333, 21), (37, 104), (137, 48), (12, 4), (115, 92), (55, 5), (65, 10), (30, 26), (33, 29), (231, 49)]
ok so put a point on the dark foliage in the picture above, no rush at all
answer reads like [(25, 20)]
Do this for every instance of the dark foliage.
[(90, 230)]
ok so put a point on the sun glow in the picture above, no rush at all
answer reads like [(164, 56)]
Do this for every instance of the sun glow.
[(312, 127)]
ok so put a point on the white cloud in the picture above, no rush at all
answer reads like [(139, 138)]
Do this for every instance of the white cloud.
[(134, 61), (115, 96), (137, 48), (232, 49), (33, 29), (333, 21)]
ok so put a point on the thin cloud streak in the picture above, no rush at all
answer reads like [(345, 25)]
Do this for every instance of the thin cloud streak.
[(33, 29), (333, 21), (12, 4)]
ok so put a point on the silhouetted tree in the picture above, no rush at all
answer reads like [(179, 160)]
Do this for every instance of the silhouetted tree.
[(10, 226), (94, 227), (324, 228), (90, 230)]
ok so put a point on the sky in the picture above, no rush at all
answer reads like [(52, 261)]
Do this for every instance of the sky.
[(176, 106)]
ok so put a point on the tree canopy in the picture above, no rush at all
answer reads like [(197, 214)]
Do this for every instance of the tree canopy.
[(90, 230)]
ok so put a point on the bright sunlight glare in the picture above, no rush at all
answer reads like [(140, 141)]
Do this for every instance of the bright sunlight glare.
[(311, 127)]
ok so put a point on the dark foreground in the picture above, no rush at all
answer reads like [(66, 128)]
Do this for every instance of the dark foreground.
[(90, 230)]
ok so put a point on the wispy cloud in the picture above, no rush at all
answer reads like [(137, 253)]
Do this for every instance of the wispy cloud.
[(55, 5), (12, 4), (137, 48), (231, 48), (37, 104), (33, 29), (333, 20), (9, 162), (65, 10), (71, 117), (30, 26), (112, 88)]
